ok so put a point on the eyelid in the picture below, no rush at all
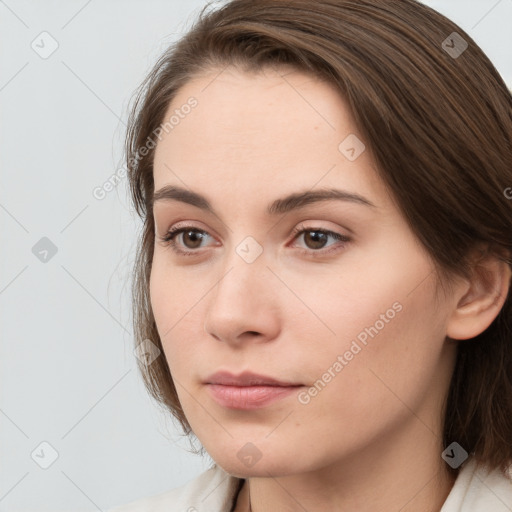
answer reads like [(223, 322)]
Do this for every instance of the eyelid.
[(180, 227), (185, 224)]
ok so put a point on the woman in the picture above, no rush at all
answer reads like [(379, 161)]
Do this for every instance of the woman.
[(325, 264)]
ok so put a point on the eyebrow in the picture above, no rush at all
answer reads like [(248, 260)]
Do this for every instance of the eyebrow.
[(286, 204)]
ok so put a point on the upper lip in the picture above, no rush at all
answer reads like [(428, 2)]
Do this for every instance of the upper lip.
[(245, 379)]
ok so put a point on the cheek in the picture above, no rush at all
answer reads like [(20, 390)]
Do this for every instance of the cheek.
[(176, 306), (160, 291), (167, 299), (377, 367), (171, 294), (352, 305), (380, 323)]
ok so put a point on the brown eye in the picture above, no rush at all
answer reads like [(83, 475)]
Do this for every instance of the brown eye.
[(317, 241), (192, 238), (182, 238)]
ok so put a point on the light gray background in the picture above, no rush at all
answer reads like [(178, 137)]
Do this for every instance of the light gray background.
[(68, 373)]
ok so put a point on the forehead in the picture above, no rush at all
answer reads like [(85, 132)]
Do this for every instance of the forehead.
[(247, 109), (249, 131)]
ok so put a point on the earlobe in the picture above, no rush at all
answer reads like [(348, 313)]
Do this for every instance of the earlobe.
[(480, 299)]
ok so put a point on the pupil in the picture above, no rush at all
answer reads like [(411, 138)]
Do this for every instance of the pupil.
[(196, 237), (319, 239)]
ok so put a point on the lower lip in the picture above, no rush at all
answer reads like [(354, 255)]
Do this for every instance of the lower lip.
[(249, 397)]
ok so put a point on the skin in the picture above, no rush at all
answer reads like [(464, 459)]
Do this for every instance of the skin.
[(371, 439)]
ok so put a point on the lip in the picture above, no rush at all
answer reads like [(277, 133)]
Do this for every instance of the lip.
[(248, 390), (246, 379), (248, 397)]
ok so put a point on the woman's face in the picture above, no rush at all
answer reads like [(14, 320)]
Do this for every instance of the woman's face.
[(352, 321)]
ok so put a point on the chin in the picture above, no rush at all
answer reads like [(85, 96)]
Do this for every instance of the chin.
[(264, 467)]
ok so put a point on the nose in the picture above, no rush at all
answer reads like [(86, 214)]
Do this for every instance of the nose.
[(243, 305)]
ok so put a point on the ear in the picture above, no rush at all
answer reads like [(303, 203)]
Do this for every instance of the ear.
[(480, 298)]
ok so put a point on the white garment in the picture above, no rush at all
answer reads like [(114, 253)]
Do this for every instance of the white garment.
[(214, 490)]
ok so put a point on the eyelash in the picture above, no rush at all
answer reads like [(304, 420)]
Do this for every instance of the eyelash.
[(169, 239)]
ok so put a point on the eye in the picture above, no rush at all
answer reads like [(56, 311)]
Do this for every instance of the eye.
[(316, 239), (190, 236)]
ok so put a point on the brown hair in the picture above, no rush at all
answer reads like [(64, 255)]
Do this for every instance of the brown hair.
[(439, 126)]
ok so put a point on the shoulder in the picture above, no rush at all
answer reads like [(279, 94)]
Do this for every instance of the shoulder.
[(478, 489), (213, 489)]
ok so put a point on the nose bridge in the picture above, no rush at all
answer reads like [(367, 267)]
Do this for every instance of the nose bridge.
[(244, 274), (240, 300)]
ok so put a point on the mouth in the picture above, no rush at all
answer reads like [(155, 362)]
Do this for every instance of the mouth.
[(248, 390), (248, 397)]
